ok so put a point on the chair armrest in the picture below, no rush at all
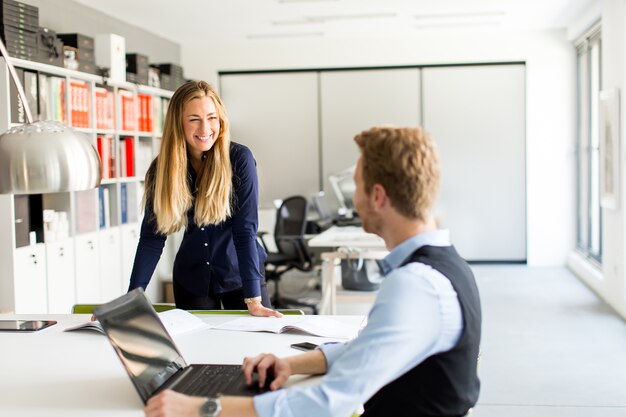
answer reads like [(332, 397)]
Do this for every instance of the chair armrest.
[(259, 236)]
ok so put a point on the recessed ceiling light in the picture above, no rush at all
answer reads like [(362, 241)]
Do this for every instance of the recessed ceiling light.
[(455, 25), (468, 15), (284, 35)]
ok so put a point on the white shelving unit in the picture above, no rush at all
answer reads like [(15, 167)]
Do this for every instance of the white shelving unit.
[(92, 261)]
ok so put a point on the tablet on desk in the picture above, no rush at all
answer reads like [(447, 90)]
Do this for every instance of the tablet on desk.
[(24, 325)]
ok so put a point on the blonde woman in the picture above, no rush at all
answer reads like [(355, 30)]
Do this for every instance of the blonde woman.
[(207, 185)]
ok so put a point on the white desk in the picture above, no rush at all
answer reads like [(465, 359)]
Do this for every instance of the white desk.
[(53, 373), (343, 242)]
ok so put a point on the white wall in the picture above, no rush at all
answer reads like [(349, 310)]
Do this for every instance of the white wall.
[(550, 113), (610, 281)]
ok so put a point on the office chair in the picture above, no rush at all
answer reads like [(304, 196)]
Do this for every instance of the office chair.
[(292, 250)]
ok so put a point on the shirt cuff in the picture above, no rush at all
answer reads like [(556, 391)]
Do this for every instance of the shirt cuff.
[(332, 351), (265, 404), (251, 289)]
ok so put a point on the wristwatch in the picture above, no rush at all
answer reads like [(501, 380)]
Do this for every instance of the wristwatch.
[(211, 408), (251, 300)]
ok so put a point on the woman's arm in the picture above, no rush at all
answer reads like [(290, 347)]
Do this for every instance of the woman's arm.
[(245, 226), (148, 252)]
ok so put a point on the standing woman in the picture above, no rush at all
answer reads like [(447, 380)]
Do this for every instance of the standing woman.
[(206, 184)]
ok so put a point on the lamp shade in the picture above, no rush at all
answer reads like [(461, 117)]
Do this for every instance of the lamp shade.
[(47, 157)]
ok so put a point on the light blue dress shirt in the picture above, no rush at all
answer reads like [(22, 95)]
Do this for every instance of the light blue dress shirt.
[(416, 315)]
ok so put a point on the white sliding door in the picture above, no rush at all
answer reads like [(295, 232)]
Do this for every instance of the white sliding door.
[(476, 115), (356, 100), (276, 116)]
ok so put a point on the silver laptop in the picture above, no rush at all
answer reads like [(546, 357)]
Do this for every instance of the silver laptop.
[(153, 361)]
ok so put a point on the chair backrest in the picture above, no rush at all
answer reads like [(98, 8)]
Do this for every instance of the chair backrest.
[(289, 231), (291, 217)]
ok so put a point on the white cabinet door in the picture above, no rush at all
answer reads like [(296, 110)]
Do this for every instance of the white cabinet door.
[(110, 264), (88, 289), (356, 100), (61, 276), (280, 128), (130, 238), (476, 115), (31, 294)]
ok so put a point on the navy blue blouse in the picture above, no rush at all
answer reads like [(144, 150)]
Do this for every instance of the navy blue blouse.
[(216, 258)]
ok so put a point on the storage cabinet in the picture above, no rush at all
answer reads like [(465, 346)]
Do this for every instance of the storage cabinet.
[(65, 248), (61, 277), (30, 283)]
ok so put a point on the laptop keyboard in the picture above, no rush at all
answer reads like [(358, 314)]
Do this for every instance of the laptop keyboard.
[(216, 379)]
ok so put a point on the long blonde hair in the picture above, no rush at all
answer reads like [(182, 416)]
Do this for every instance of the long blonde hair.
[(167, 186)]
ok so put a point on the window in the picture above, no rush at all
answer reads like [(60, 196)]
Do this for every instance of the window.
[(589, 215)]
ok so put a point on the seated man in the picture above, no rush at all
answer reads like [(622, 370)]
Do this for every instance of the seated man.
[(417, 355)]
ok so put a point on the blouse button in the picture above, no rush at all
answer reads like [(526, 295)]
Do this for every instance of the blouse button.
[(202, 228), (208, 263), (206, 244)]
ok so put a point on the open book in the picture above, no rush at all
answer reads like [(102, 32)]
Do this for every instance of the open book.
[(176, 322), (312, 325)]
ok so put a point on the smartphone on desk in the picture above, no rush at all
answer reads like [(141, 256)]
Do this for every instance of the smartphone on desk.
[(24, 325), (306, 346)]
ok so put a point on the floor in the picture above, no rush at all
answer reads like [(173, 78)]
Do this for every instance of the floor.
[(550, 347)]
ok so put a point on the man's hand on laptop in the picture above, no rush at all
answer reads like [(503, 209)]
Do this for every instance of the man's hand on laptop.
[(255, 308), (170, 403), (267, 366)]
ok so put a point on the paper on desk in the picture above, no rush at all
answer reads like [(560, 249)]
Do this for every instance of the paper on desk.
[(313, 325), (176, 322)]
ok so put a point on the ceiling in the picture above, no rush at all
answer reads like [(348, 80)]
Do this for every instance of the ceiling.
[(191, 21)]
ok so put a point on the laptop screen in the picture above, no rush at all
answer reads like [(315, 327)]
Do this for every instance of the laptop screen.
[(146, 349)]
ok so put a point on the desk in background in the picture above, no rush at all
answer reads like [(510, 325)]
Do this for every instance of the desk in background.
[(54, 373), (365, 245)]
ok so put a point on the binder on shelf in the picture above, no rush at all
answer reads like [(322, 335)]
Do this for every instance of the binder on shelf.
[(104, 206), (22, 220), (57, 99), (44, 97), (128, 113), (101, 207), (104, 109), (130, 154), (104, 145), (79, 103), (124, 202), (18, 114), (30, 89)]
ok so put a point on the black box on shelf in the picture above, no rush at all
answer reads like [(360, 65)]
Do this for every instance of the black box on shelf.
[(169, 69), (20, 41), (14, 14), (87, 56), (49, 47), (137, 63), (23, 21), (166, 82), (20, 7), (89, 67), (77, 40)]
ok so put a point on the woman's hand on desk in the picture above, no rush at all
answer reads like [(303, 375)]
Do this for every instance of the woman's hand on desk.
[(255, 308)]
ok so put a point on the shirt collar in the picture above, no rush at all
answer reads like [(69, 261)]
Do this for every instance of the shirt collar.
[(439, 237)]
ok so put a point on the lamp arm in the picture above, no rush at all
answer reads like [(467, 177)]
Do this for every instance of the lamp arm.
[(18, 83)]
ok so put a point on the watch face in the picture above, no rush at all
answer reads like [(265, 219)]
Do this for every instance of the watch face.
[(211, 408)]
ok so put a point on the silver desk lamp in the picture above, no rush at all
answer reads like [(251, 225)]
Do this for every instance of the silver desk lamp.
[(45, 156)]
